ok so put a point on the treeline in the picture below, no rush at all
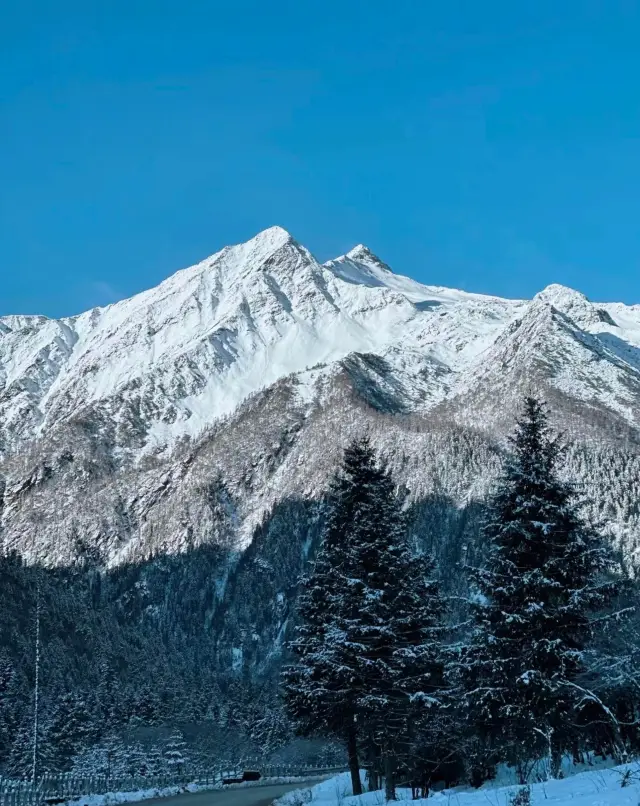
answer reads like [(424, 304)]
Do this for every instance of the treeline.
[(536, 664), (125, 661)]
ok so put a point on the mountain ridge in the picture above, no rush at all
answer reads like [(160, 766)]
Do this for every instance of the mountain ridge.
[(237, 373), (192, 348)]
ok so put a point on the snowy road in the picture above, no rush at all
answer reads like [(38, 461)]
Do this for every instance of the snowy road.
[(243, 796)]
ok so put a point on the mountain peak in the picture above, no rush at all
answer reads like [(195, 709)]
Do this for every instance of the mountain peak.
[(573, 304), (566, 300), (557, 293), (362, 254), (272, 237), (359, 252), (254, 253)]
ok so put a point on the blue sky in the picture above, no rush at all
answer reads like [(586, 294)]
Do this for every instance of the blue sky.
[(492, 146)]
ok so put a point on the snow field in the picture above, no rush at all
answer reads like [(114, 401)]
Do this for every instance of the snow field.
[(616, 786)]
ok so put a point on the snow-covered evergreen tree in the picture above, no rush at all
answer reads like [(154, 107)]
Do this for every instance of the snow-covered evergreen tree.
[(318, 689), (136, 760), (69, 730), (115, 757), (271, 730), (370, 610), (110, 758), (425, 738), (397, 635), (155, 761), (21, 755), (175, 754), (547, 573), (107, 698), (612, 672), (8, 708)]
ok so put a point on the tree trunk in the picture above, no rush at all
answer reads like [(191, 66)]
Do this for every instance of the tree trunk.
[(375, 777), (389, 777), (556, 757), (354, 767)]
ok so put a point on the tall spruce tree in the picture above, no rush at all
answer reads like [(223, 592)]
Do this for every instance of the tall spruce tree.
[(175, 753), (418, 621), (401, 662), (546, 575), (319, 688), (366, 641)]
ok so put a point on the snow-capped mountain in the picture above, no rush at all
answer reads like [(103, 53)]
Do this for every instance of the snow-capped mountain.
[(170, 361), (189, 413)]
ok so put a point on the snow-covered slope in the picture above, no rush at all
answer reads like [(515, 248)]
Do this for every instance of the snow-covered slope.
[(170, 361), (579, 786), (190, 412)]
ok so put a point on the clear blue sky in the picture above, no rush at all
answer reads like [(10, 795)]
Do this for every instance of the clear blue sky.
[(492, 146)]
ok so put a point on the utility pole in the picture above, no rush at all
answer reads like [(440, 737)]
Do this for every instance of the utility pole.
[(34, 769)]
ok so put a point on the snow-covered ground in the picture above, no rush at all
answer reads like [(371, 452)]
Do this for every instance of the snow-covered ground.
[(617, 786)]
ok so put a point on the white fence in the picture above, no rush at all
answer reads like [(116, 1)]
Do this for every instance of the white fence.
[(66, 786)]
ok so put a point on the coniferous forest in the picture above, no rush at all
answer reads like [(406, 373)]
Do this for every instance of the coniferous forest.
[(418, 696), (512, 638)]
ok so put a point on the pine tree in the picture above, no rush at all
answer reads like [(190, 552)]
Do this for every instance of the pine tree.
[(398, 636), (271, 729), (547, 573), (612, 671), (318, 688), (90, 762), (146, 706), (418, 622), (107, 699), (136, 760), (366, 643), (21, 755), (108, 758), (175, 754), (115, 757), (155, 761)]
